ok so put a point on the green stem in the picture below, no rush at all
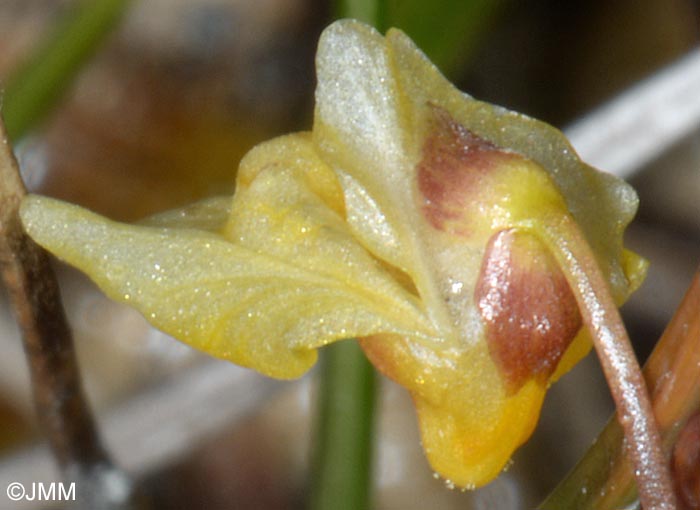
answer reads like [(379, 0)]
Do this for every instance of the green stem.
[(42, 80), (592, 485), (601, 317), (372, 12), (343, 440)]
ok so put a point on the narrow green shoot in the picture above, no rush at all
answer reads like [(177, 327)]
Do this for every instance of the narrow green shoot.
[(35, 88)]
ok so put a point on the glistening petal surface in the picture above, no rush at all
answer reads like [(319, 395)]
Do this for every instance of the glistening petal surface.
[(412, 217), (257, 305), (430, 178)]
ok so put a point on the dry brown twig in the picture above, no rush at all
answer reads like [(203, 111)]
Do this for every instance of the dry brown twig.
[(62, 409)]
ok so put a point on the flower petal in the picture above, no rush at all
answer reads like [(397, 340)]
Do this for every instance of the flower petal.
[(413, 217), (603, 210), (530, 313), (429, 177), (210, 214), (359, 132), (263, 301), (469, 425)]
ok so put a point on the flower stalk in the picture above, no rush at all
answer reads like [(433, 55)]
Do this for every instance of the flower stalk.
[(604, 473), (617, 358)]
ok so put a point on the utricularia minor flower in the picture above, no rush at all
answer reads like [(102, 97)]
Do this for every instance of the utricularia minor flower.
[(412, 217)]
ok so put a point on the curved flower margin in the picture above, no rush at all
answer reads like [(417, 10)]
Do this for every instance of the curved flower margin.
[(412, 217)]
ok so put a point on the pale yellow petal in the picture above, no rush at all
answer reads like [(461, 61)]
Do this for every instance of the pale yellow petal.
[(469, 426), (210, 214), (291, 210), (429, 177), (602, 204), (359, 133), (264, 301)]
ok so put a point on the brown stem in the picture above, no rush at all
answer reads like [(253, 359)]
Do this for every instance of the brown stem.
[(619, 364), (63, 412)]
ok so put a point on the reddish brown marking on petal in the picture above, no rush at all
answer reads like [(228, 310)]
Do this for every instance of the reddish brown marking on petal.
[(685, 463), (531, 315), (454, 162)]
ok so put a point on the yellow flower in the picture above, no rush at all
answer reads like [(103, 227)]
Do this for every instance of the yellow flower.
[(413, 218)]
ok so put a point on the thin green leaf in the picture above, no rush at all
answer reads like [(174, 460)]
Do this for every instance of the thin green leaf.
[(372, 12), (43, 79), (343, 449), (448, 31)]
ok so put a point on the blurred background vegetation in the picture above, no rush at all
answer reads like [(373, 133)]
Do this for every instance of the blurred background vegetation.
[(181, 89)]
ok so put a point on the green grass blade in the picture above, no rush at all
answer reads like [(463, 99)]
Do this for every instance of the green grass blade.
[(36, 87), (343, 439)]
